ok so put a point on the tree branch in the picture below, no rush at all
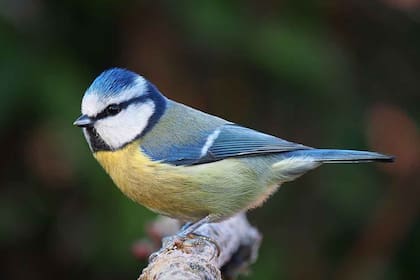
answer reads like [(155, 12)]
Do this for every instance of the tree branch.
[(198, 258)]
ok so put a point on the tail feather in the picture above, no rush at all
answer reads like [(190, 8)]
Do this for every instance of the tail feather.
[(339, 156)]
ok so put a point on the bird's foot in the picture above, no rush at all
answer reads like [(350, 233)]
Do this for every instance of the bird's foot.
[(185, 243), (204, 238), (185, 240)]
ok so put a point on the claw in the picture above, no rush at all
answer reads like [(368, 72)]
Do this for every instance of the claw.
[(186, 232), (208, 239), (180, 242)]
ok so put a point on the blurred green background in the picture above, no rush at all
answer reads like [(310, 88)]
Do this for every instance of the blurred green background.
[(339, 74)]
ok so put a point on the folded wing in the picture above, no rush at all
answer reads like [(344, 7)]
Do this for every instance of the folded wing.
[(229, 141)]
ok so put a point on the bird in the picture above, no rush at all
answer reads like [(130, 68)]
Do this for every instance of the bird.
[(186, 164)]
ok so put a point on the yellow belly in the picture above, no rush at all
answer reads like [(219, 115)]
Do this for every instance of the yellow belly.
[(219, 189), (160, 187)]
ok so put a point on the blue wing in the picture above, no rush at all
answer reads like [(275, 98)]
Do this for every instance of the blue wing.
[(227, 141)]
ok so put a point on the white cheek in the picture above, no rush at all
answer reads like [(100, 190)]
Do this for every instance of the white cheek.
[(123, 128)]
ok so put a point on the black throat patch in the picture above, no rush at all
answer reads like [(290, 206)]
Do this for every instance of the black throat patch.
[(95, 141)]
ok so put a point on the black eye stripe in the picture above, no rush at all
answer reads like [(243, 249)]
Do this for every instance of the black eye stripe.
[(121, 106)]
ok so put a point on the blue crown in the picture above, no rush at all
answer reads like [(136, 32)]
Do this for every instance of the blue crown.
[(113, 81)]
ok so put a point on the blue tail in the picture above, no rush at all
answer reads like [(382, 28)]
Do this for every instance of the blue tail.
[(339, 156)]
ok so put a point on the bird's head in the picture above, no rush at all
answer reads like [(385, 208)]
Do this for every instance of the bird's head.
[(118, 108)]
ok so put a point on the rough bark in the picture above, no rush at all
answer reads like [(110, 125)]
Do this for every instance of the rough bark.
[(200, 258)]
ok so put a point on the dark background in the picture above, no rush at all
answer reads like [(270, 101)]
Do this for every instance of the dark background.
[(338, 74)]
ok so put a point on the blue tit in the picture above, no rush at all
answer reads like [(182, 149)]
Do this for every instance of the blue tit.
[(186, 164)]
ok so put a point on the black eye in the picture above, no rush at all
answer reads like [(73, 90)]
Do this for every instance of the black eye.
[(112, 109)]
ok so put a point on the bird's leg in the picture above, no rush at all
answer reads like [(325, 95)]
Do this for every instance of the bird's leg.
[(188, 228), (186, 225)]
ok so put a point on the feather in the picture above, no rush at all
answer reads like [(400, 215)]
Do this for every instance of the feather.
[(338, 156), (226, 141)]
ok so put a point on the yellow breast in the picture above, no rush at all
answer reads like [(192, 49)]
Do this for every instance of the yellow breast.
[(160, 187)]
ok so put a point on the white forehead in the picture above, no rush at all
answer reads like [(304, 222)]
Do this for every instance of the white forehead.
[(94, 102)]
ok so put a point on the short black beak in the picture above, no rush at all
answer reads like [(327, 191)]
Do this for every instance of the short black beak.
[(84, 121)]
